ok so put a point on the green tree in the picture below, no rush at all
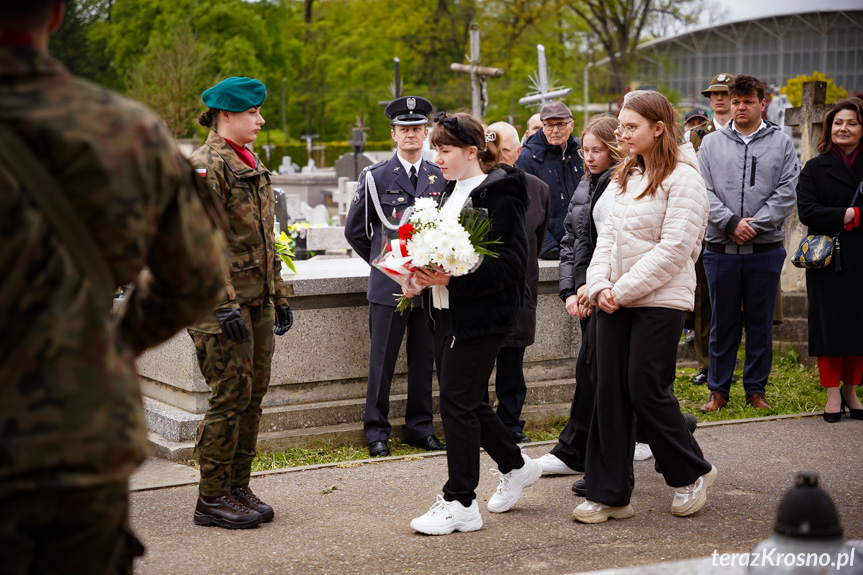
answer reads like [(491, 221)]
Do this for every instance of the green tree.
[(619, 26), (794, 88), (72, 43), (170, 78)]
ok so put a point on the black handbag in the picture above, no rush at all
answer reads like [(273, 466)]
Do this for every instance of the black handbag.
[(817, 251)]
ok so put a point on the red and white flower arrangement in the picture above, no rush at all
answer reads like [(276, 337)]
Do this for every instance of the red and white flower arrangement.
[(435, 239)]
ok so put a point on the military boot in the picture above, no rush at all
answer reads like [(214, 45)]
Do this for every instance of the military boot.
[(245, 496), (225, 511)]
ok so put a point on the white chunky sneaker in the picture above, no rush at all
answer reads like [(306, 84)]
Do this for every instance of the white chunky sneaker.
[(444, 517), (550, 463), (511, 485), (593, 512), (642, 452), (691, 498)]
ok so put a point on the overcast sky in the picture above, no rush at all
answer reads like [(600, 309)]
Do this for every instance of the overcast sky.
[(750, 9)]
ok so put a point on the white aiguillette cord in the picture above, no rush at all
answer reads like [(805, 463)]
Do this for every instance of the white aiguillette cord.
[(372, 190)]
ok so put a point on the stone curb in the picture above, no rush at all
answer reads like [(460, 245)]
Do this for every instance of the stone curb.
[(159, 483)]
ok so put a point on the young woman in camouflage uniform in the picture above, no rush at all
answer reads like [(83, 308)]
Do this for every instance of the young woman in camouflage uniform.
[(235, 345)]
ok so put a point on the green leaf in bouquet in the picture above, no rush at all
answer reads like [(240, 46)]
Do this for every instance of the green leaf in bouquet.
[(478, 226), (404, 304)]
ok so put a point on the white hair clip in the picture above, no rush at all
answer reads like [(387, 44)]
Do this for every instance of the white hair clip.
[(491, 136)]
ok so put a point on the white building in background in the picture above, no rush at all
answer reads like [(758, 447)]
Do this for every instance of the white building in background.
[(773, 49)]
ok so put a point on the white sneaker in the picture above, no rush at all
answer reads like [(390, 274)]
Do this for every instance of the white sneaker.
[(642, 452), (550, 463), (691, 498), (593, 512), (444, 517), (511, 485)]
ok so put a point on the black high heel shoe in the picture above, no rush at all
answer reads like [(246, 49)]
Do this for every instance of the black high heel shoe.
[(855, 413), (837, 416), (832, 417)]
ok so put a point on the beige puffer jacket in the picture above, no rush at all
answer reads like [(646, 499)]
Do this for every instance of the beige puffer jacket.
[(647, 250)]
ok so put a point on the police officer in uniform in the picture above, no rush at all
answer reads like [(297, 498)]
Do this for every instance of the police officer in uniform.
[(384, 191), (234, 346)]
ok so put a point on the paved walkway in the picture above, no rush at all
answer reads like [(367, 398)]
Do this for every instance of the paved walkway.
[(354, 517)]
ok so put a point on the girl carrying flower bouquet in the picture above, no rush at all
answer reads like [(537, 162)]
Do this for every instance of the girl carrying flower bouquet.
[(471, 316)]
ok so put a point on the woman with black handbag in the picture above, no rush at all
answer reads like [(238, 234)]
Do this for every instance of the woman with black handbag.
[(829, 202)]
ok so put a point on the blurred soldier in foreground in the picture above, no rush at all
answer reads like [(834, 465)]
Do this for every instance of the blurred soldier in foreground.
[(72, 429)]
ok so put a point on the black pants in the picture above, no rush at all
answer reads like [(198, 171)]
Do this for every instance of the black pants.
[(464, 368), (571, 445), (636, 352), (387, 330), (572, 441), (510, 387)]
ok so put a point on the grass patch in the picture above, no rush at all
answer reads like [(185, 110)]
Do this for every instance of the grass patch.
[(792, 388)]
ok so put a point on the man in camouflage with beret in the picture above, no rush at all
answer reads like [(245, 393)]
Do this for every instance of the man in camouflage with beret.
[(235, 344), (72, 428)]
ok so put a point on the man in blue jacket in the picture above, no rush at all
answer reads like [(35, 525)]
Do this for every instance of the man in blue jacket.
[(551, 154)]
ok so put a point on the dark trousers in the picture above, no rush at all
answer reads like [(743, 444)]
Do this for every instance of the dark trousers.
[(510, 387), (464, 368), (749, 281), (387, 329), (68, 531), (571, 445), (572, 441), (701, 315), (636, 352), (238, 374)]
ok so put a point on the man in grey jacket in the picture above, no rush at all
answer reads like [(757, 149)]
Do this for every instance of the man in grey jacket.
[(750, 170)]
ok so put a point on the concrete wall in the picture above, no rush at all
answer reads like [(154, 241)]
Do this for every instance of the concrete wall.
[(323, 359)]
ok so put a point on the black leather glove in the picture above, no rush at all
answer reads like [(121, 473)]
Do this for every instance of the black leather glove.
[(232, 324), (284, 319)]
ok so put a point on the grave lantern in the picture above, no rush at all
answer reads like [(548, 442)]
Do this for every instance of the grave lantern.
[(807, 537)]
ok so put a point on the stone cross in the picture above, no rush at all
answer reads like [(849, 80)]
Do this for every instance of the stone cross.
[(809, 117), (542, 93), (478, 74), (309, 139)]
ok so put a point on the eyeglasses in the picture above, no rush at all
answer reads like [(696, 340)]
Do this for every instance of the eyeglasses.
[(560, 126), (627, 131), (592, 153)]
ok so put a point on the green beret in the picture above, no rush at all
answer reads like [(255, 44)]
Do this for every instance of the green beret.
[(235, 94)]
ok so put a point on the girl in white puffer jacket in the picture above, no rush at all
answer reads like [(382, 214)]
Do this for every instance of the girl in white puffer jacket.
[(642, 279)]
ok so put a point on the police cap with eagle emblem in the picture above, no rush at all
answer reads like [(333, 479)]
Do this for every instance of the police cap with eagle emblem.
[(409, 111)]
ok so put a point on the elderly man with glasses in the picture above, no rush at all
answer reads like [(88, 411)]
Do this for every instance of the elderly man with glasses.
[(552, 155)]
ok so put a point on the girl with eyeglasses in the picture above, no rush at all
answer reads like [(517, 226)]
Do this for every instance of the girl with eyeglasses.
[(642, 281), (471, 316), (587, 212)]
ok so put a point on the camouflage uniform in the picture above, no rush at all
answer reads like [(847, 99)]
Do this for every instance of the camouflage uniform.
[(238, 373), (72, 428)]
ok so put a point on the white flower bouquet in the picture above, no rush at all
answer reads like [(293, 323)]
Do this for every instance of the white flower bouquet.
[(432, 239)]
